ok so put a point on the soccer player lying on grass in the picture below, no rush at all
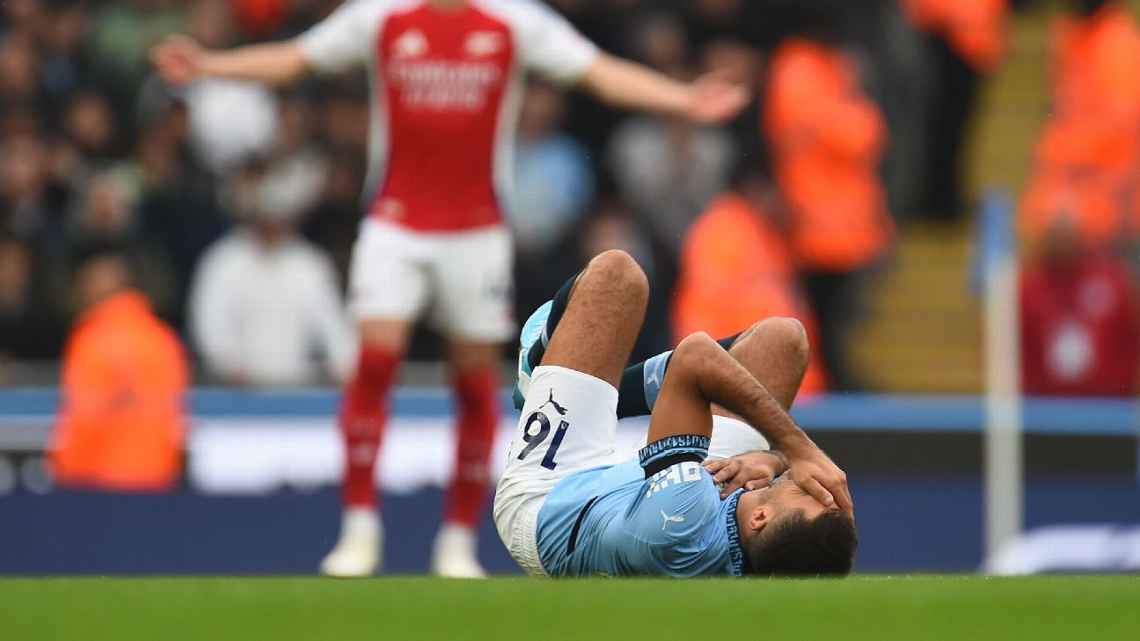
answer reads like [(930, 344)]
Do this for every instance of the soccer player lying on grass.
[(568, 505)]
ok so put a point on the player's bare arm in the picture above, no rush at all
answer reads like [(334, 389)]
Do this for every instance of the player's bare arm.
[(630, 85), (618, 82), (776, 352), (179, 59), (700, 373)]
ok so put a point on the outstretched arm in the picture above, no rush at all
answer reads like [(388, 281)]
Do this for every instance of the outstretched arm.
[(550, 46), (701, 373), (633, 86), (180, 60), (339, 42)]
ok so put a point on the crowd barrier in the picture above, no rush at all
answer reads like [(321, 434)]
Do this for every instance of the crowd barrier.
[(259, 491)]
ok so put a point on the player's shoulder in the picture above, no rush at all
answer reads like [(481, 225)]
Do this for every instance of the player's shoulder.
[(681, 519), (676, 511), (376, 9), (531, 6), (684, 488), (520, 13)]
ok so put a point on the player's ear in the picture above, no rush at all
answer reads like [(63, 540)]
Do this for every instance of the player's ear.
[(759, 518)]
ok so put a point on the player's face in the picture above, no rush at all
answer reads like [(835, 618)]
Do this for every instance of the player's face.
[(786, 498)]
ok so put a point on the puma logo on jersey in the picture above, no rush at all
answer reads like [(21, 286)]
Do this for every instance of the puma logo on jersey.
[(557, 408), (484, 43), (667, 519), (410, 44)]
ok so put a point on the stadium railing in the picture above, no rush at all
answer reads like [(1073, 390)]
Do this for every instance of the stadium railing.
[(259, 492)]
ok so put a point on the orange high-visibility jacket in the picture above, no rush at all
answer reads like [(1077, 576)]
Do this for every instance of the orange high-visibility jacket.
[(827, 138), (1096, 93), (736, 270), (121, 420), (1089, 151), (976, 29), (1095, 63)]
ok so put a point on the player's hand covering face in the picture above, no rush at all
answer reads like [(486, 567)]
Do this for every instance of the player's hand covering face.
[(751, 471), (820, 477), (789, 498)]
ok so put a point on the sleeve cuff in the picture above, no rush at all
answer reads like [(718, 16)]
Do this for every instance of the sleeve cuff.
[(671, 450)]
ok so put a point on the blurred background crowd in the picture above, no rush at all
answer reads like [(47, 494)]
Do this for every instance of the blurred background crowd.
[(234, 206)]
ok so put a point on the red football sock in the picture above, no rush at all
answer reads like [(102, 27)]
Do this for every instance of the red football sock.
[(363, 414), (478, 403)]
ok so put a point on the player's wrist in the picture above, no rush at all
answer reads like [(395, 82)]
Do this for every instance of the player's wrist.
[(688, 101), (779, 461), (795, 446), (208, 63)]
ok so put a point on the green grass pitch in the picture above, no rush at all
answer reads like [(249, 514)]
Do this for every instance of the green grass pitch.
[(413, 609)]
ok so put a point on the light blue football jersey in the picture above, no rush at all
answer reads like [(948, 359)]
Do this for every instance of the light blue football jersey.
[(615, 521)]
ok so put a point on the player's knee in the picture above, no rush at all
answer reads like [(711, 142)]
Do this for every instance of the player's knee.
[(692, 351), (621, 273), (389, 335), (468, 357), (790, 335)]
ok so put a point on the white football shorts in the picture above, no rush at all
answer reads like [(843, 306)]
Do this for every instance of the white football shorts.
[(462, 278), (568, 424)]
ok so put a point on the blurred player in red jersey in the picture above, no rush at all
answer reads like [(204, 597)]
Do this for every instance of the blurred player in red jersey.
[(447, 79)]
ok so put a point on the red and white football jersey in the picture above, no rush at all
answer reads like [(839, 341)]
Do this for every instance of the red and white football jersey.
[(446, 90)]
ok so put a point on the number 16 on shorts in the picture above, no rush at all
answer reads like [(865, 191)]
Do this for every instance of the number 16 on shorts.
[(535, 432)]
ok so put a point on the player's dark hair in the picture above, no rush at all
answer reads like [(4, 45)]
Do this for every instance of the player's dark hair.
[(795, 546)]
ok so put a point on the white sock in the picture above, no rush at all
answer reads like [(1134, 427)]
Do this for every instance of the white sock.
[(456, 534), (361, 521)]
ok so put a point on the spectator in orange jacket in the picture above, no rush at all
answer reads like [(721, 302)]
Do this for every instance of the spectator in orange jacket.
[(974, 29), (1089, 151), (965, 40), (827, 141), (736, 268), (121, 420), (1096, 82)]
